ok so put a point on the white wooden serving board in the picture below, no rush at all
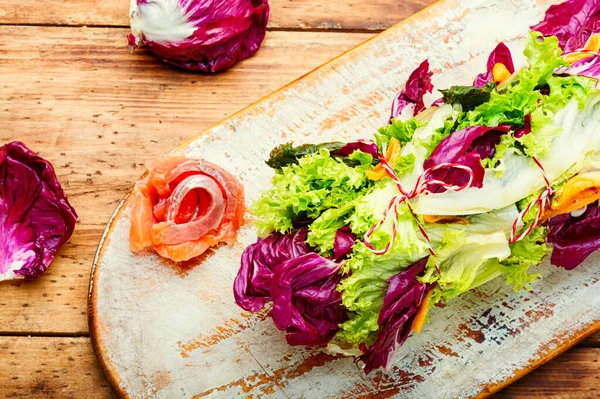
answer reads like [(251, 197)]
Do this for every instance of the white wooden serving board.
[(164, 332)]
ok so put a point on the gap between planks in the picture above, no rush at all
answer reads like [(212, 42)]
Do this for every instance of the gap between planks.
[(370, 16), (269, 29)]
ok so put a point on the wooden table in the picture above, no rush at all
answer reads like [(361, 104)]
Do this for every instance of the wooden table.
[(70, 90)]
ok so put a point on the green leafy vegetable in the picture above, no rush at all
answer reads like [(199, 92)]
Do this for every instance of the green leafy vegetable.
[(403, 131), (364, 288), (321, 234), (305, 190), (469, 97), (525, 254), (543, 130), (543, 57), (405, 164)]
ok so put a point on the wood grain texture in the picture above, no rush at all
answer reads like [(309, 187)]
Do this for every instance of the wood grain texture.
[(65, 368), (593, 341), (285, 14), (51, 368), (98, 113), (56, 115), (574, 375), (490, 334)]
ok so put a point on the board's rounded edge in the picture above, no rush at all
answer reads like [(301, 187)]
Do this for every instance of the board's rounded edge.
[(97, 344)]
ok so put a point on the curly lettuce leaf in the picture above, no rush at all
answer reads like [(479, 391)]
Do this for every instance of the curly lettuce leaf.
[(364, 288), (401, 130), (322, 231), (305, 190), (525, 254)]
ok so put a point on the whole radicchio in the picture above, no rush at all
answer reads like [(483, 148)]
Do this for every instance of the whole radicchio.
[(466, 147), (418, 83), (574, 238), (35, 216), (572, 22), (202, 35), (400, 304), (301, 284), (500, 55)]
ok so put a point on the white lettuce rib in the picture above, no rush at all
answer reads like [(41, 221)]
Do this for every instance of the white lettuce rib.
[(580, 134), (163, 21)]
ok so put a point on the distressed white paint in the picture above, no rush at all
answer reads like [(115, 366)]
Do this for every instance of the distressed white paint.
[(145, 310)]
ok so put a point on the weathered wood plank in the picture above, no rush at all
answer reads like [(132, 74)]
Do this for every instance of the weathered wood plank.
[(288, 14), (98, 112), (256, 360), (45, 367), (593, 341), (50, 368), (574, 374)]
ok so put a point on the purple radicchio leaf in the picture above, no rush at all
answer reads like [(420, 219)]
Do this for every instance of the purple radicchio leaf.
[(574, 238), (342, 245), (252, 285), (465, 147), (572, 22), (500, 55), (400, 305), (200, 35), (418, 83), (588, 67), (438, 102), (35, 215), (306, 304), (525, 129), (364, 146)]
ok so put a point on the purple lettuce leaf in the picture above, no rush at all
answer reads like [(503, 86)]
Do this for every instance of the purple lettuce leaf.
[(525, 129), (501, 54), (438, 102), (572, 22), (252, 285), (485, 146), (306, 303), (588, 67), (400, 305), (35, 215), (418, 83), (465, 147), (366, 147), (574, 238), (344, 240), (225, 32)]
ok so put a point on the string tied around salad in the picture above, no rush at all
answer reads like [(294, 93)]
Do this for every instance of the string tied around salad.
[(422, 185), (542, 200)]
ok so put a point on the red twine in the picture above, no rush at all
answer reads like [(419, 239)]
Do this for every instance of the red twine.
[(421, 187), (541, 199)]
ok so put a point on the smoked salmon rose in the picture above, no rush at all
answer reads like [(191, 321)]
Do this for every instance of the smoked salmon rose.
[(183, 206)]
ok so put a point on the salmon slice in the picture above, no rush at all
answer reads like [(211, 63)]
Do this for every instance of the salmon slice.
[(213, 209), (140, 234), (186, 250), (184, 206)]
